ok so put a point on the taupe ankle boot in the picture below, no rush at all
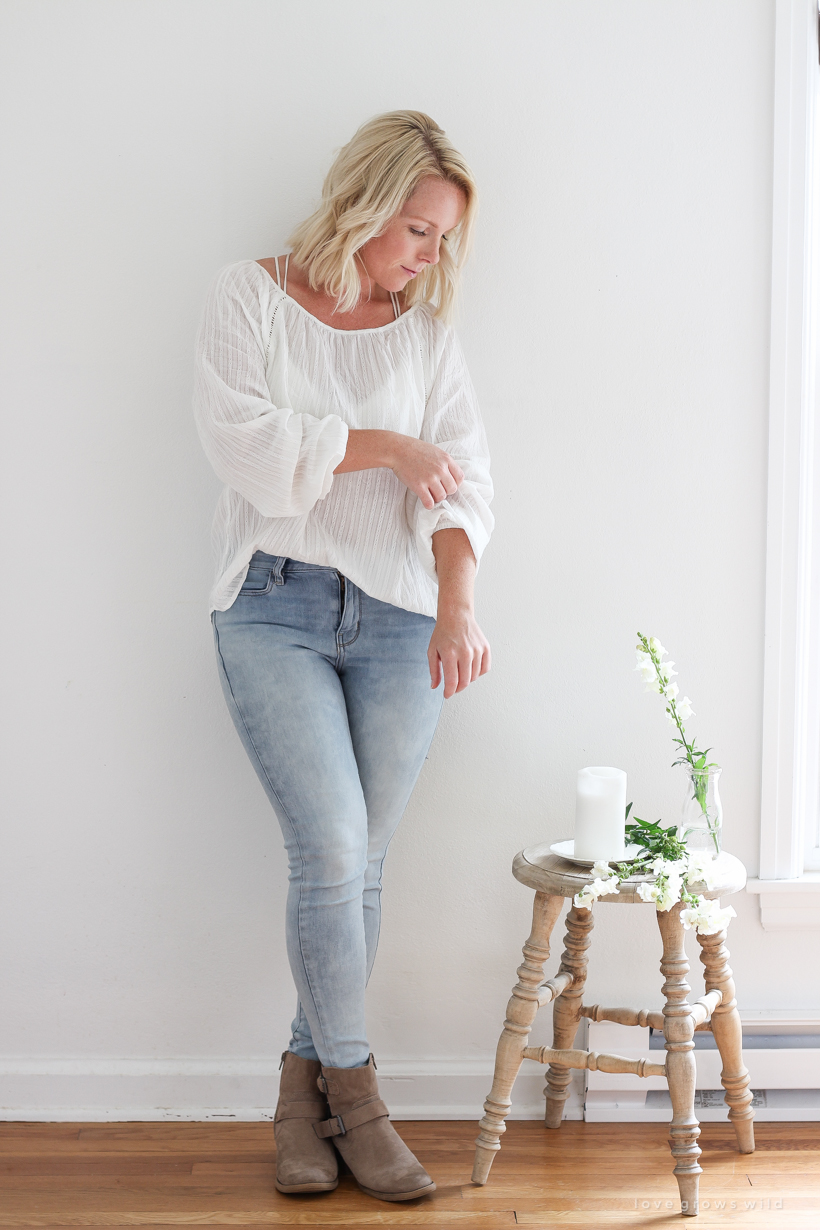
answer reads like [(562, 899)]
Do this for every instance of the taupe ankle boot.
[(381, 1163), (304, 1162)]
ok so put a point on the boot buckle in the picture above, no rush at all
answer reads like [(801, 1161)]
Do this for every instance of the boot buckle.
[(342, 1129)]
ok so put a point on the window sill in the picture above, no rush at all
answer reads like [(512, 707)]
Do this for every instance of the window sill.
[(789, 905)]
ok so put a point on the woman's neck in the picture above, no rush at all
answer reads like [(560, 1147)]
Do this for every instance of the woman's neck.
[(374, 309)]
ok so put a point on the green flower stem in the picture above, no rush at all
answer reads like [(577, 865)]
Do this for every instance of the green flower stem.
[(671, 707), (695, 759)]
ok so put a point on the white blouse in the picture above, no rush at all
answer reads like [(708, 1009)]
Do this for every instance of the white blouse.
[(277, 391)]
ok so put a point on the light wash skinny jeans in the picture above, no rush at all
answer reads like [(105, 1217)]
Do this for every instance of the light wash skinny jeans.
[(330, 692)]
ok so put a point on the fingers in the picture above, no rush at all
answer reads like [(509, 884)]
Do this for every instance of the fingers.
[(452, 477), (433, 493), (446, 663), (458, 659), (438, 489), (437, 477), (428, 471), (452, 675), (435, 667), (476, 665), (462, 669)]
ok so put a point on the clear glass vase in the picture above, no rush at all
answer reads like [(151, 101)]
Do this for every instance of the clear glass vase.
[(702, 819)]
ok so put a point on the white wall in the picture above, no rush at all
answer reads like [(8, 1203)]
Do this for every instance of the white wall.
[(616, 320)]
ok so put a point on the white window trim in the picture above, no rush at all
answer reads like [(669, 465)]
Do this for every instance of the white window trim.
[(791, 712)]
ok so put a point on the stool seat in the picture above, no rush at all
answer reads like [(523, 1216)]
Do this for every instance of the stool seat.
[(554, 879), (546, 872)]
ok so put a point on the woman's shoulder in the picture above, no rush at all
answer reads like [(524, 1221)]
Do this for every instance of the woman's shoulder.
[(243, 278), (426, 322), (242, 290), (438, 337)]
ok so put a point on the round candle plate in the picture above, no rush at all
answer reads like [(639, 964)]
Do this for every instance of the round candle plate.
[(566, 849)]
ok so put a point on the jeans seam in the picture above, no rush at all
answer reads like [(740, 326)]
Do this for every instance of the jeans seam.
[(343, 645), (293, 827), (379, 890)]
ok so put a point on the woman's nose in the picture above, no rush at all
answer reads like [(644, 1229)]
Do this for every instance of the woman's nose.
[(430, 252)]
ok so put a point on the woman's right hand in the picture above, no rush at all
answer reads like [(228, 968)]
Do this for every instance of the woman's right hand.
[(425, 469)]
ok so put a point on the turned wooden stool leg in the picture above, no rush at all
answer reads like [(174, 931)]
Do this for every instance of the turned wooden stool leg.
[(521, 1012), (566, 1011), (729, 1038), (678, 1030)]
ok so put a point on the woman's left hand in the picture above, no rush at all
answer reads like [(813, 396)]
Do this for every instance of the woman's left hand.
[(458, 649)]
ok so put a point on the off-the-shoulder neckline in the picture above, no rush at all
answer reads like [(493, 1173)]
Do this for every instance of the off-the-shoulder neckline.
[(391, 324)]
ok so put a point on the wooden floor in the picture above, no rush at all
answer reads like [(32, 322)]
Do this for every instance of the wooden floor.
[(587, 1175)]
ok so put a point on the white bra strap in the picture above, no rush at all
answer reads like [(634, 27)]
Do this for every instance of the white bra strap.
[(394, 299), (285, 281), (278, 279)]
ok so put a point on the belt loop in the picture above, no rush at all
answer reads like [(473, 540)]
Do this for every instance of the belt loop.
[(278, 567)]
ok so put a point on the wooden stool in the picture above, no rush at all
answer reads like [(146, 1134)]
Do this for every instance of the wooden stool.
[(553, 879)]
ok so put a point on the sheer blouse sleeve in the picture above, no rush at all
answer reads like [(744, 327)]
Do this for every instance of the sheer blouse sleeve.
[(280, 461), (452, 420)]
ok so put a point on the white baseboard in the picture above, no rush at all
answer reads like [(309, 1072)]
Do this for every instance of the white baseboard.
[(770, 1106), (111, 1090), (221, 1089)]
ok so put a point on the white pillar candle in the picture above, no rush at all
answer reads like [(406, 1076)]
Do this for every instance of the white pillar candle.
[(600, 814)]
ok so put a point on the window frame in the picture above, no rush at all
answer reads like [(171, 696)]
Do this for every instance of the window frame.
[(790, 786)]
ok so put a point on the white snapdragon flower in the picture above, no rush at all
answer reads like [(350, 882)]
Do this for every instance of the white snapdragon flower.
[(671, 691), (608, 886), (666, 671), (662, 893), (667, 867), (603, 888), (707, 917), (701, 869), (685, 710), (670, 892), (656, 647), (600, 870), (646, 666), (666, 891), (600, 887), (649, 892)]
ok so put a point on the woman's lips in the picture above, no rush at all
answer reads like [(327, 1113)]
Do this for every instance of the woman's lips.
[(411, 273)]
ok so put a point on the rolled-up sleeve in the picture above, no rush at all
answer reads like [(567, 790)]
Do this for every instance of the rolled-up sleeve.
[(452, 420), (280, 461)]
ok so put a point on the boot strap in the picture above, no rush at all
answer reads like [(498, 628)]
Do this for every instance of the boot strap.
[(338, 1126), (301, 1110)]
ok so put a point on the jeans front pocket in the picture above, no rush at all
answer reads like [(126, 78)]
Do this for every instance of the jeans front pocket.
[(258, 581)]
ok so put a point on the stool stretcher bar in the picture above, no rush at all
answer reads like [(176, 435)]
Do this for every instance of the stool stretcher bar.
[(594, 1062), (552, 988), (624, 1016), (702, 1010)]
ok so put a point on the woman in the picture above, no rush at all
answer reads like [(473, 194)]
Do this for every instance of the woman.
[(333, 401)]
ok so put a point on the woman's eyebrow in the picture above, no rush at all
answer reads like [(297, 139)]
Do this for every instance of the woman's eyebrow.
[(418, 218)]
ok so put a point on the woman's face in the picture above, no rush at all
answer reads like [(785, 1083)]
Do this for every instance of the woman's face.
[(411, 241)]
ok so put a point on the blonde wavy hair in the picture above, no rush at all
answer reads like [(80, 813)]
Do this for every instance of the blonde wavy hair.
[(370, 180)]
